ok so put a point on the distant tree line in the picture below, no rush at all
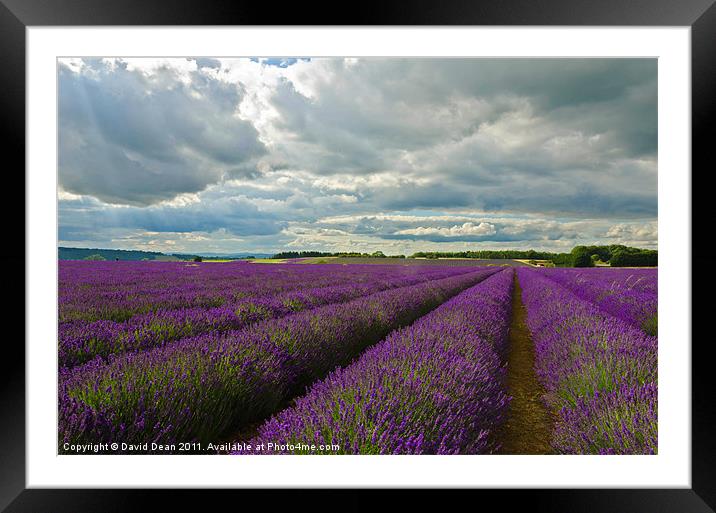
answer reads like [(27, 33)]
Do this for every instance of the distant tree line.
[(615, 255), (314, 254), (580, 256), (509, 254), (301, 254)]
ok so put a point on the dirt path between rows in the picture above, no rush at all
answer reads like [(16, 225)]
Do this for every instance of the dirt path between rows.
[(528, 427)]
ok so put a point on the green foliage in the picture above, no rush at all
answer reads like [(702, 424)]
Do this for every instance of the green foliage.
[(95, 257), (300, 254), (581, 257), (651, 325), (197, 259), (619, 256), (634, 257), (562, 260), (602, 253), (316, 254), (582, 260)]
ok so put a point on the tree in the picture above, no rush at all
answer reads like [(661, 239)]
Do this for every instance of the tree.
[(197, 259), (633, 257), (96, 256), (581, 257), (378, 254)]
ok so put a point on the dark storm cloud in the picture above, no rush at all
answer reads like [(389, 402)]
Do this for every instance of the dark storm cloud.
[(129, 138), (583, 201), (366, 99), (480, 131)]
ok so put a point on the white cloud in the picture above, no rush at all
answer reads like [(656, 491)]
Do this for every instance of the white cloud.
[(454, 231), (633, 232)]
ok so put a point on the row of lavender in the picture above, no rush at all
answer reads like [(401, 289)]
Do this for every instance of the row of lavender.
[(201, 387), (629, 294), (599, 372), (435, 387), (117, 291), (81, 341)]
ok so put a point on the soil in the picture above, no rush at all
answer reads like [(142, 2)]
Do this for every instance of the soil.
[(529, 424)]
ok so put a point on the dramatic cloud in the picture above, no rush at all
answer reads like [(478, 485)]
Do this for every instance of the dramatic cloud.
[(128, 137), (339, 154)]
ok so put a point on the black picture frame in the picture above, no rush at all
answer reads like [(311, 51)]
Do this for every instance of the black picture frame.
[(16, 15)]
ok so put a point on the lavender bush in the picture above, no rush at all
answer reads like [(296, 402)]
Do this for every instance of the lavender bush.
[(629, 294), (199, 387), (599, 372), (435, 387), (81, 341), (117, 291)]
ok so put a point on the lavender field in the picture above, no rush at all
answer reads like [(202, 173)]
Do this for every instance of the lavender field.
[(240, 358)]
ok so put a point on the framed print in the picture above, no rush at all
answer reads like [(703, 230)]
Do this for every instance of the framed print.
[(428, 247)]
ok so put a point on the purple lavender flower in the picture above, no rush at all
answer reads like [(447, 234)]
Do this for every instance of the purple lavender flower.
[(435, 387), (599, 371), (628, 294), (199, 387), (247, 294)]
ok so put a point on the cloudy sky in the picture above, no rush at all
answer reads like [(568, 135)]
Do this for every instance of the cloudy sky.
[(398, 155)]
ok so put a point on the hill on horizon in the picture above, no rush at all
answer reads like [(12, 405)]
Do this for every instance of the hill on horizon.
[(65, 253)]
